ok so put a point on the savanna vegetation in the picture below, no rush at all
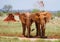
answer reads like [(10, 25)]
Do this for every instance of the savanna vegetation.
[(14, 30)]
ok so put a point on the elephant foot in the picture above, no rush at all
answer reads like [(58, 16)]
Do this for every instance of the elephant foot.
[(28, 36), (37, 36), (43, 36)]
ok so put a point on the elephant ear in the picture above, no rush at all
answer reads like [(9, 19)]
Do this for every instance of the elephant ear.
[(36, 17), (49, 16), (22, 18)]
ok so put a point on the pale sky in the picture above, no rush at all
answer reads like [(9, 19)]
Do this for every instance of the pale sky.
[(50, 5)]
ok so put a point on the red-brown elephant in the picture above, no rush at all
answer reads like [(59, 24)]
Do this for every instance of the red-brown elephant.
[(40, 20), (27, 19), (44, 18)]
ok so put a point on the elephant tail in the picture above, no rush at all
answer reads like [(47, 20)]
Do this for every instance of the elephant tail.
[(32, 29)]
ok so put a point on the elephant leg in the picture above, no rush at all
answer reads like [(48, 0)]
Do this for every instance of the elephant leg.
[(28, 31), (29, 23), (43, 31), (37, 29), (24, 28)]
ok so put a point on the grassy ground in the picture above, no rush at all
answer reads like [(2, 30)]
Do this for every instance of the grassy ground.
[(16, 39), (15, 29)]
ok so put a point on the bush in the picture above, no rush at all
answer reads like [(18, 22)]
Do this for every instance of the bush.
[(58, 14), (1, 13), (35, 10)]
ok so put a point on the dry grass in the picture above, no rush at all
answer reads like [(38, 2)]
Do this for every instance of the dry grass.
[(15, 29)]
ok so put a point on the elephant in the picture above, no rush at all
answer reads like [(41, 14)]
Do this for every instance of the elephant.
[(40, 19), (27, 21), (44, 18)]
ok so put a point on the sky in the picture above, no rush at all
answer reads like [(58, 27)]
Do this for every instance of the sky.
[(49, 5)]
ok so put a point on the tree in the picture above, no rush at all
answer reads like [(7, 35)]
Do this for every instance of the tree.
[(7, 8), (58, 13), (41, 5), (1, 13), (35, 10)]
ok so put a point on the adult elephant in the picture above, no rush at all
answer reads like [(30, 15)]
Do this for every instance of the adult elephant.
[(27, 19), (44, 18), (40, 22), (39, 18)]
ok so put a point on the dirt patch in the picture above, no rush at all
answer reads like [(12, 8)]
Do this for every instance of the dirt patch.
[(54, 37), (19, 35)]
